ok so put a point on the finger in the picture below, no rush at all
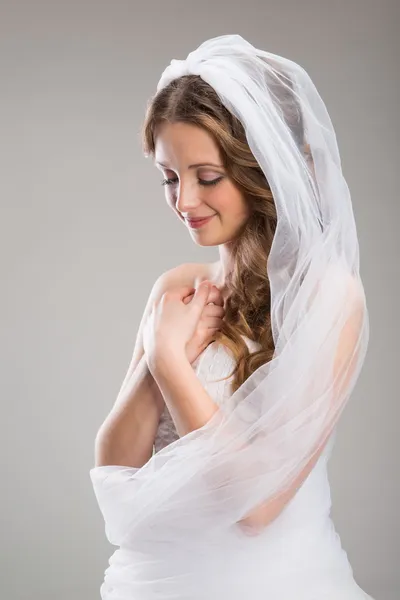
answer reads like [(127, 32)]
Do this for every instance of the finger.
[(187, 299), (211, 310), (200, 298), (180, 292), (212, 322), (216, 296), (212, 333)]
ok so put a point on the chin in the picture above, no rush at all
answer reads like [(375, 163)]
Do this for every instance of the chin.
[(205, 243), (211, 240)]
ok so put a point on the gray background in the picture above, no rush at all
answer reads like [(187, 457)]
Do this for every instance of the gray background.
[(85, 231)]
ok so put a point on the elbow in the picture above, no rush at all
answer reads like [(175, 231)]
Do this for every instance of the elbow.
[(107, 450), (261, 516), (111, 449), (104, 451), (255, 522)]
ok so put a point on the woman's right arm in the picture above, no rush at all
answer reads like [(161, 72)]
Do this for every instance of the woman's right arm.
[(127, 435)]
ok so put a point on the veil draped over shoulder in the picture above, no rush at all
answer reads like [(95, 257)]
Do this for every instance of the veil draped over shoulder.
[(198, 488)]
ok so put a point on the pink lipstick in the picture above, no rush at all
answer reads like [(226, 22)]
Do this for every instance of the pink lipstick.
[(196, 223)]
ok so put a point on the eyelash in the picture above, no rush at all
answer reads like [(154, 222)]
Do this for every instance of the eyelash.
[(201, 181)]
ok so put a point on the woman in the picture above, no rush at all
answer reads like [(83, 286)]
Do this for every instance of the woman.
[(239, 386)]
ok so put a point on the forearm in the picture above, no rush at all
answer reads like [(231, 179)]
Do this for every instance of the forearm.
[(127, 435), (191, 407), (189, 404)]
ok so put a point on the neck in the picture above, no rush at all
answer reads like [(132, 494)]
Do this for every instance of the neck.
[(220, 269)]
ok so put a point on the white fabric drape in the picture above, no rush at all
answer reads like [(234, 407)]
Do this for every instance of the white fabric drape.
[(197, 489)]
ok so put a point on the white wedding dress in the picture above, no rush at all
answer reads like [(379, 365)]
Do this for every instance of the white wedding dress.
[(297, 557)]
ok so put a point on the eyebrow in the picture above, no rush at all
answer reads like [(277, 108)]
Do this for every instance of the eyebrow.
[(195, 165)]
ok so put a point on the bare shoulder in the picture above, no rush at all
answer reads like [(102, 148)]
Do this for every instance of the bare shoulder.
[(185, 274)]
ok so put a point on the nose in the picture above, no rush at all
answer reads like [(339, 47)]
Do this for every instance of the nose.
[(187, 197)]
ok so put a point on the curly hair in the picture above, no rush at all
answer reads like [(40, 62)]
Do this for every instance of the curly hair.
[(189, 99)]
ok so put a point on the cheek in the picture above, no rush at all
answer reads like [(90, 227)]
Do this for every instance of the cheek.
[(230, 202), (221, 198)]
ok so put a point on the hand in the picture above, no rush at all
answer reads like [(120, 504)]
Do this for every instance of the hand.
[(208, 324), (172, 323)]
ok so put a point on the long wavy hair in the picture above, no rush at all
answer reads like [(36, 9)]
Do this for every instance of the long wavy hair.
[(189, 99)]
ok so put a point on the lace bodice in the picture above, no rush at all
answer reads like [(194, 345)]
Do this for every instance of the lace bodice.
[(215, 362)]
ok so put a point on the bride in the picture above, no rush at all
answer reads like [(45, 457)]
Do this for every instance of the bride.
[(211, 468)]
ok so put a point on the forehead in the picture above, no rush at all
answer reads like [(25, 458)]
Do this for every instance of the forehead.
[(179, 143)]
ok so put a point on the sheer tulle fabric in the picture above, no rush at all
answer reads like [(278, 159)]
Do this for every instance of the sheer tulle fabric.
[(190, 496)]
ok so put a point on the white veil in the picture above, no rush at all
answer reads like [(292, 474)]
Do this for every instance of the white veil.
[(198, 488)]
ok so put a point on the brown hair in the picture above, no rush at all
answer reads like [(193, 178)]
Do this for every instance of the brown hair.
[(190, 99)]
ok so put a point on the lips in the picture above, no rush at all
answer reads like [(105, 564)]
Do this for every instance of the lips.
[(195, 219), (199, 221)]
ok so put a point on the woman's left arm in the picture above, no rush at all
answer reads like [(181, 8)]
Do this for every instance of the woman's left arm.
[(189, 404), (191, 407)]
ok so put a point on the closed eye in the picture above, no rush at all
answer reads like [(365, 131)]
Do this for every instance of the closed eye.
[(204, 182)]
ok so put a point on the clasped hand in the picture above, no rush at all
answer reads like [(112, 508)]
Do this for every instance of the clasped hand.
[(182, 323)]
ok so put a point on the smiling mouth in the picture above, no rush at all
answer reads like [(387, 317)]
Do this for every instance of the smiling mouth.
[(194, 223)]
